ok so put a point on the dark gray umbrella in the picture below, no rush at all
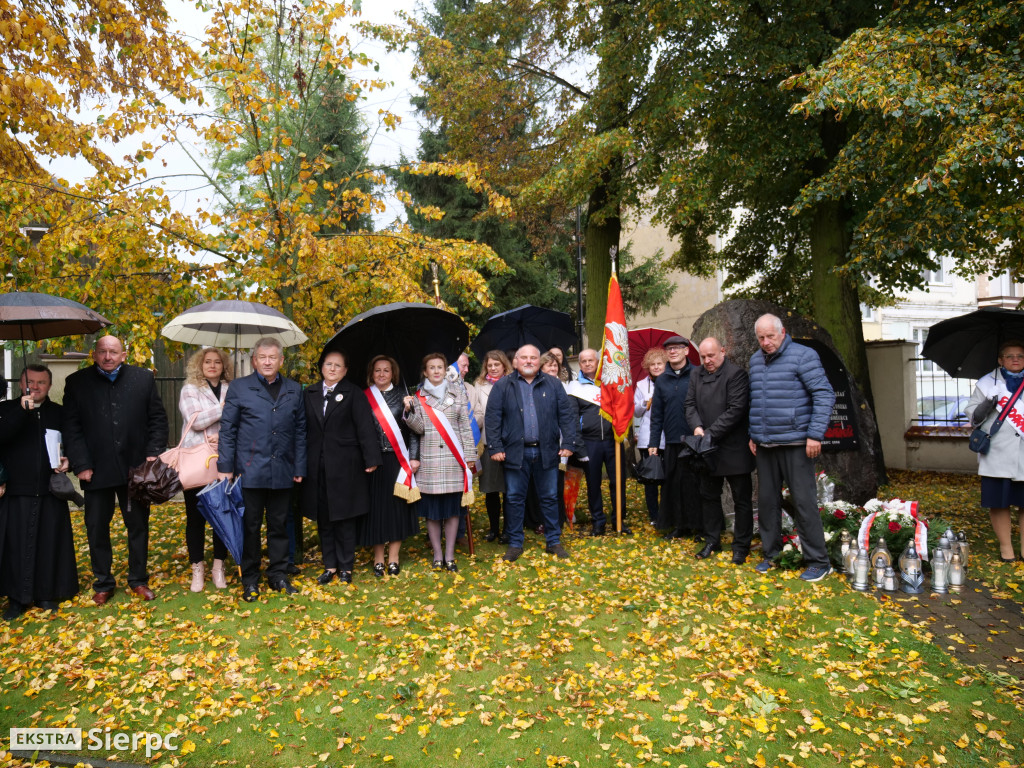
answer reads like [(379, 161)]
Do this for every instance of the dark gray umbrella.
[(34, 316), (968, 346)]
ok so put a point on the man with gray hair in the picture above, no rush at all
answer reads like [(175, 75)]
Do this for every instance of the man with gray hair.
[(790, 404), (263, 439)]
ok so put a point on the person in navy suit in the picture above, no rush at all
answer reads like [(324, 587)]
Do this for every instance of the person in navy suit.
[(263, 439)]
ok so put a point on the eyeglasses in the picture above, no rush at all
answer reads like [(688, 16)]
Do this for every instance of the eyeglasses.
[(1013, 357)]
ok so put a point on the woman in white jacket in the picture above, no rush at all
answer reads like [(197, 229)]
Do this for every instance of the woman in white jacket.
[(206, 386), (492, 475), (654, 363), (1002, 467)]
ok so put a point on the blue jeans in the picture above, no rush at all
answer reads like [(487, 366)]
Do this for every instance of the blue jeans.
[(517, 483)]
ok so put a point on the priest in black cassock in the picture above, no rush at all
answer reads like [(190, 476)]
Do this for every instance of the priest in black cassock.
[(37, 562)]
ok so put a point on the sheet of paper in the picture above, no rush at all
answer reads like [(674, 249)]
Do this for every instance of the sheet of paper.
[(52, 438)]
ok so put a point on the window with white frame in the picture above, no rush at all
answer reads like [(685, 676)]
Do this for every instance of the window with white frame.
[(920, 335)]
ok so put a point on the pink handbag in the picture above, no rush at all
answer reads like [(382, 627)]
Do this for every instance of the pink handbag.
[(196, 465)]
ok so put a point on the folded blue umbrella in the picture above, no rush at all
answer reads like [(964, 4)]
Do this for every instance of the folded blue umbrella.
[(217, 503)]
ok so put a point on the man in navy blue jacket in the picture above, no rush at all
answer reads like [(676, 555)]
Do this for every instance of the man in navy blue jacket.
[(790, 404), (529, 425), (263, 439)]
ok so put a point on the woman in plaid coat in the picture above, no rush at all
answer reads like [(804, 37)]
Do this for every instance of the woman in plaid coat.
[(442, 477)]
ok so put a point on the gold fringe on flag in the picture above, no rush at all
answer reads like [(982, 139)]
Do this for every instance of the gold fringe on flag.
[(467, 498)]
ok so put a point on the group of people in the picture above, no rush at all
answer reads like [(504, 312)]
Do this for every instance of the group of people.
[(369, 463), (715, 423)]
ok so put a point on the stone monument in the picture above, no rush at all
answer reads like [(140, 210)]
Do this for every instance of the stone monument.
[(852, 449)]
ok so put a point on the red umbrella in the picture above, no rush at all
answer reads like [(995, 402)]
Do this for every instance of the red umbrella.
[(643, 339)]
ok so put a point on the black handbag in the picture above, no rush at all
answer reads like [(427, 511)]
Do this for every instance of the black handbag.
[(650, 470), (980, 441)]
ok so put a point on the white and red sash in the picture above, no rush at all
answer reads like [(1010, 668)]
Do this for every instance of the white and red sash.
[(451, 439), (405, 483)]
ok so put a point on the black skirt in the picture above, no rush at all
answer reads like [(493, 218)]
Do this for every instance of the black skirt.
[(390, 518), (38, 561), (1001, 492)]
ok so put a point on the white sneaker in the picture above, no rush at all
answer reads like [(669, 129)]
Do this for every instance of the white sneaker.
[(198, 576)]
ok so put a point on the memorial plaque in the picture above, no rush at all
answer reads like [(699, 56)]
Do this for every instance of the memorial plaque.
[(841, 434)]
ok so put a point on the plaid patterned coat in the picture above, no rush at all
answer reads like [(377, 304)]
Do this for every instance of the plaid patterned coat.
[(202, 401), (439, 471)]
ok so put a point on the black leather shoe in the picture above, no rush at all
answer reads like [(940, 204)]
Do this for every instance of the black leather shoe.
[(708, 550), (325, 577), (491, 536), (378, 570), (48, 605), (345, 577), (293, 570), (250, 593), (739, 558), (503, 538), (627, 531), (14, 610), (283, 585), (678, 533), (597, 530), (394, 569), (452, 566), (438, 565)]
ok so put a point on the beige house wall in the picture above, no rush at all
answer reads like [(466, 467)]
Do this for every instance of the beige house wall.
[(693, 295)]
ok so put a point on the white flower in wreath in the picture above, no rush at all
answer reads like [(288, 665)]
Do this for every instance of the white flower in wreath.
[(874, 505), (829, 535)]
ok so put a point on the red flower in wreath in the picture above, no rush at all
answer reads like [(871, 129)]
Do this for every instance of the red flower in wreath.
[(893, 526), (839, 514)]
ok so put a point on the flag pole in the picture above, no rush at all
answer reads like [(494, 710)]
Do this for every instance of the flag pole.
[(619, 490)]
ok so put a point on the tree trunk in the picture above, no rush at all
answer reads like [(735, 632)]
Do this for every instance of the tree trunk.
[(836, 304), (601, 235)]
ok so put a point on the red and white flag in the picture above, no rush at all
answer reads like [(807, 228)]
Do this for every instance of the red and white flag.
[(613, 371)]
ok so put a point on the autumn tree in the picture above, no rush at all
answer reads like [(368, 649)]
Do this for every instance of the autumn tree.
[(932, 101), (290, 229), (541, 96), (77, 83), (538, 247)]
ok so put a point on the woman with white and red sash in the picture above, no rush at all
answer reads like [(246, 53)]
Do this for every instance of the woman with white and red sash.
[(393, 491), (439, 413)]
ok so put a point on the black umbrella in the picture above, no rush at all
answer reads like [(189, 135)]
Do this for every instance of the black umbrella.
[(544, 328), (967, 346), (405, 331)]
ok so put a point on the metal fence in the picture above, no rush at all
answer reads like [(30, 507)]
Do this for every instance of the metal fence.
[(941, 399)]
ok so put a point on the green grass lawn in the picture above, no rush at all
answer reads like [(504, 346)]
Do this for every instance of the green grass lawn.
[(632, 653)]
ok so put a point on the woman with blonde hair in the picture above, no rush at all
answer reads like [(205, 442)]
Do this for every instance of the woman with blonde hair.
[(492, 476), (654, 363), (207, 378)]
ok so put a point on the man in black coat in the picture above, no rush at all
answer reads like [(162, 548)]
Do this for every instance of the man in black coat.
[(113, 421), (680, 499), (716, 406), (37, 555)]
